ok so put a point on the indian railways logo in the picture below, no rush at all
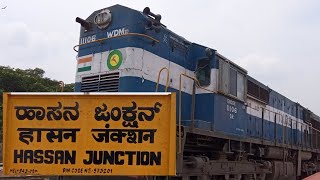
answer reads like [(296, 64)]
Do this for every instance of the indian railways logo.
[(114, 60)]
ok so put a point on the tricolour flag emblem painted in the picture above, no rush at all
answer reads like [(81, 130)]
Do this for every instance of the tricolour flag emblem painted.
[(84, 64)]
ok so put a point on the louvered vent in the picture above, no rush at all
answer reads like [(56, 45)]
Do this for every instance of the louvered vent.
[(102, 83)]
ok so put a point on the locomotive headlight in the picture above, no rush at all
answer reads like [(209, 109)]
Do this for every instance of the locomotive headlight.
[(103, 19)]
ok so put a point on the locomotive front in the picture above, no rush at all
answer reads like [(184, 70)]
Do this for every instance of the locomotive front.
[(114, 51)]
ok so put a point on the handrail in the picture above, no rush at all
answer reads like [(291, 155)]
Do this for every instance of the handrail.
[(128, 34), (294, 120), (180, 95), (167, 83), (299, 126), (197, 82)]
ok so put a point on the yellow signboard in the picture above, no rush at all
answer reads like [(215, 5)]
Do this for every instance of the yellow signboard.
[(89, 134)]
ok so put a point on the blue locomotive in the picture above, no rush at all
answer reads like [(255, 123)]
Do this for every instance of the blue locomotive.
[(229, 125)]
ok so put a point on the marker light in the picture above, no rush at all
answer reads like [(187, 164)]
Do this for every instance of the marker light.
[(103, 19)]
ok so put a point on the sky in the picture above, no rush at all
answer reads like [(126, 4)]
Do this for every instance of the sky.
[(278, 42)]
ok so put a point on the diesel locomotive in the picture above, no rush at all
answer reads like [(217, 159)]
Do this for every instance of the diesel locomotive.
[(229, 125)]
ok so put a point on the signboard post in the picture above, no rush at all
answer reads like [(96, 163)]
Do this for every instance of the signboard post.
[(89, 134)]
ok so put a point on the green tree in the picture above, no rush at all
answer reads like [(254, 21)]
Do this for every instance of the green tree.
[(69, 87), (28, 80)]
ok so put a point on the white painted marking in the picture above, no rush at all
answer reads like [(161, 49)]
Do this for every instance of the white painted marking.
[(138, 62)]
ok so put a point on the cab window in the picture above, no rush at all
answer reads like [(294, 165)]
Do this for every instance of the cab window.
[(203, 72)]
